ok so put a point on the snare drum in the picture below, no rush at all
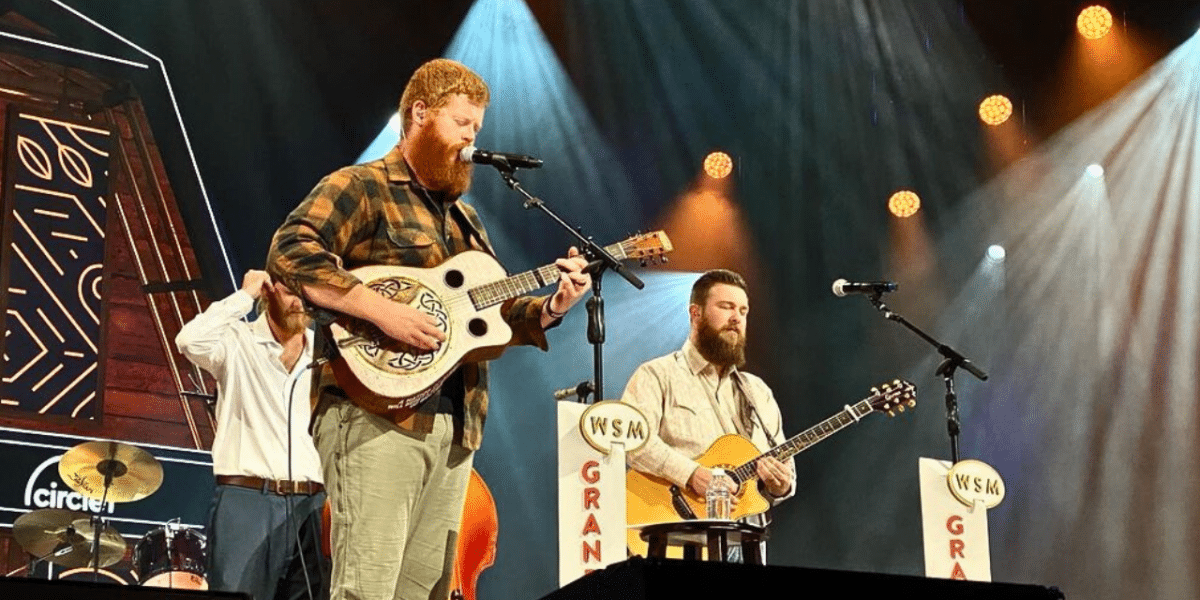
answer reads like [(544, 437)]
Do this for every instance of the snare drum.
[(171, 557)]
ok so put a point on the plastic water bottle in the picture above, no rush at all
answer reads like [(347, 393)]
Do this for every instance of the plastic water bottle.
[(717, 499)]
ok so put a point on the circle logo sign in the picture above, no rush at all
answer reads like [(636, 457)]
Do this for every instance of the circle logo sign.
[(974, 481), (606, 423)]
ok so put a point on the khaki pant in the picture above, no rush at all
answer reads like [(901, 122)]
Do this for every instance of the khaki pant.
[(396, 501)]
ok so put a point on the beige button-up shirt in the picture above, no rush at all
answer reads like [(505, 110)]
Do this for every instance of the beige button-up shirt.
[(689, 405)]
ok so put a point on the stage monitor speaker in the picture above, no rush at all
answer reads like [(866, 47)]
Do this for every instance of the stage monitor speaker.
[(656, 579), (41, 589)]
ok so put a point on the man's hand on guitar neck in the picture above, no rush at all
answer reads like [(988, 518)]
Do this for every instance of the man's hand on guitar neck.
[(572, 284)]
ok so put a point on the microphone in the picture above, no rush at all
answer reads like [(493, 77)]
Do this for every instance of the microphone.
[(500, 160), (842, 287), (581, 390)]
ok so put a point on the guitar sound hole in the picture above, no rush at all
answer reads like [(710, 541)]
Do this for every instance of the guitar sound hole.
[(477, 327), (454, 279)]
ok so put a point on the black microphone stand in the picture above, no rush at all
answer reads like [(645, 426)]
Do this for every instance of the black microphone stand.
[(600, 260), (946, 370)]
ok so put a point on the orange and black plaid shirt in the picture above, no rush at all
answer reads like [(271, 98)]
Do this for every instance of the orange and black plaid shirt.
[(375, 213)]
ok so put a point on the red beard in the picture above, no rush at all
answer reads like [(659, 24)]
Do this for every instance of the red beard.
[(437, 166)]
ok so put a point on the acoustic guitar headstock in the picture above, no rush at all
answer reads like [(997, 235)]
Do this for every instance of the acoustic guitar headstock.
[(647, 248), (893, 397)]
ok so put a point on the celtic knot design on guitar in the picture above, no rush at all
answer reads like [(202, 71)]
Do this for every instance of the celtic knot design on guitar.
[(389, 354), (432, 305)]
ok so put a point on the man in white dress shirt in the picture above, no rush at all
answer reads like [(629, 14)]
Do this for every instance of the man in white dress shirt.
[(698, 393), (264, 529)]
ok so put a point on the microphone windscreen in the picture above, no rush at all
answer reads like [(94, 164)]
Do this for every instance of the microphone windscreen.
[(837, 288)]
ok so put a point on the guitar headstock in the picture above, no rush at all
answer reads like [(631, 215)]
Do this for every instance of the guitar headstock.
[(648, 248), (896, 395)]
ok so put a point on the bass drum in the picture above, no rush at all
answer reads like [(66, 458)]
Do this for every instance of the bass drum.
[(171, 557), (103, 575)]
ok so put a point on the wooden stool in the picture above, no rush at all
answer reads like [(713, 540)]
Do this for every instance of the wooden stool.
[(716, 535)]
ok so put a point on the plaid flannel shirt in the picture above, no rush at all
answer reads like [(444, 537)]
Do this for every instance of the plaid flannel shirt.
[(374, 213)]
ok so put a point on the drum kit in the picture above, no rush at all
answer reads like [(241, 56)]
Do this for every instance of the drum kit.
[(171, 556)]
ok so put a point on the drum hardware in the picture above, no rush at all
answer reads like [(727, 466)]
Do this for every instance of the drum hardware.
[(68, 538), (102, 470), (172, 556)]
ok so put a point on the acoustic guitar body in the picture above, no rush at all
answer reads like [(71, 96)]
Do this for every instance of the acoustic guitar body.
[(649, 498), (395, 375)]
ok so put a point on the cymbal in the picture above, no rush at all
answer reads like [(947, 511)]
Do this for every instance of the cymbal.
[(45, 532), (134, 473)]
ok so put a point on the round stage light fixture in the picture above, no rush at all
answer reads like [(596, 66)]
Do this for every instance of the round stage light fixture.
[(904, 203), (995, 110), (996, 253), (1094, 22), (1095, 170), (718, 165)]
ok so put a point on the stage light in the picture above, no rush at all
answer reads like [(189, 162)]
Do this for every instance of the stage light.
[(1094, 22), (996, 253), (1095, 170), (995, 110), (718, 165), (904, 203)]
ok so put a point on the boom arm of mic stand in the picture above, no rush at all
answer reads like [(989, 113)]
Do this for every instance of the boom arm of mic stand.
[(589, 248), (953, 360), (950, 354)]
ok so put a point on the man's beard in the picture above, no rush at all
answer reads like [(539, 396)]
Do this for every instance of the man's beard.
[(718, 350), (290, 323), (438, 164)]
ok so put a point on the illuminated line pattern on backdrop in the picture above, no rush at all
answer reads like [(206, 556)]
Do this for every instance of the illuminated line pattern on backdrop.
[(53, 263)]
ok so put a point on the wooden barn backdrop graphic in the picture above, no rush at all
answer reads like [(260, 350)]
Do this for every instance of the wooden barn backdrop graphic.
[(55, 217), (97, 275)]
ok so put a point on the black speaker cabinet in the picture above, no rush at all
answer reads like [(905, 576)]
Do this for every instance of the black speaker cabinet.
[(41, 589), (662, 579)]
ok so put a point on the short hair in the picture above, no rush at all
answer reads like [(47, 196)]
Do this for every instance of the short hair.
[(709, 279), (436, 81)]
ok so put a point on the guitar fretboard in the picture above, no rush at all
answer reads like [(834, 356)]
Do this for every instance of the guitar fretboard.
[(496, 292), (807, 438)]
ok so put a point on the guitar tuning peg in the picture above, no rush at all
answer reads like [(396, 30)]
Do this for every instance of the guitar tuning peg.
[(643, 263), (912, 403), (665, 260), (891, 414), (900, 407)]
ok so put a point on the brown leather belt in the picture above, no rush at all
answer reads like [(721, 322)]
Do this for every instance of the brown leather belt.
[(283, 487)]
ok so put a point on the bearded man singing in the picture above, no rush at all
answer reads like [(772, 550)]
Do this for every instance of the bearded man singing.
[(398, 478), (695, 395)]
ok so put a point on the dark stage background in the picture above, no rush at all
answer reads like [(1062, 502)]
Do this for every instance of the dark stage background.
[(827, 108)]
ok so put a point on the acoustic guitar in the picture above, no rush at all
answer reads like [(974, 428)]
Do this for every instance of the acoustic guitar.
[(464, 296), (651, 499)]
